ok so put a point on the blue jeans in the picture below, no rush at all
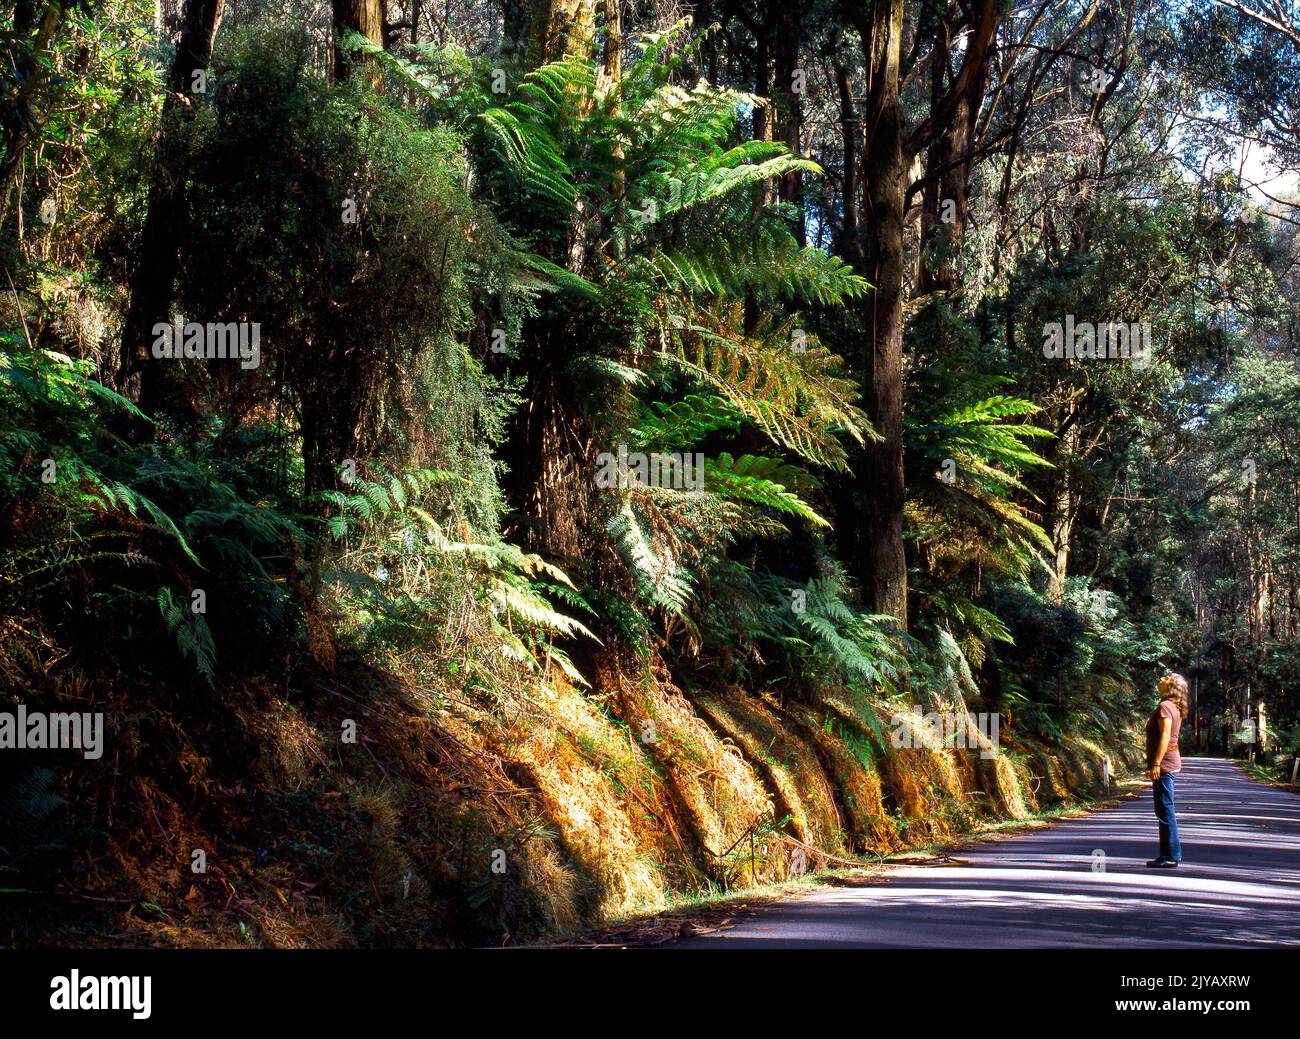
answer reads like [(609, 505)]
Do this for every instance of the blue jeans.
[(1163, 789)]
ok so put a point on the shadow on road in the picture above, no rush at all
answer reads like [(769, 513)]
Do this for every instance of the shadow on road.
[(1239, 884)]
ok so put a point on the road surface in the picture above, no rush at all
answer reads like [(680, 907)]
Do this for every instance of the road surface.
[(1239, 884)]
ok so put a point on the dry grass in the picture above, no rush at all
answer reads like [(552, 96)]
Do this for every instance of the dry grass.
[(464, 816), (712, 798), (598, 791), (788, 766)]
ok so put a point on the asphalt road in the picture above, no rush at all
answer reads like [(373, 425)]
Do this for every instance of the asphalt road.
[(1238, 885)]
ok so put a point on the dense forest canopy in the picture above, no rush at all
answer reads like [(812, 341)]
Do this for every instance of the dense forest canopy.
[(467, 366)]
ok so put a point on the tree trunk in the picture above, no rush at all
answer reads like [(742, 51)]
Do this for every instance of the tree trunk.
[(1064, 499), (558, 28), (881, 563), (948, 193), (550, 454), (160, 238), (365, 17), (34, 72), (787, 97), (879, 558)]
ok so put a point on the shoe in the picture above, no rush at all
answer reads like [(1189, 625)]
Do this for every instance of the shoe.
[(1162, 863)]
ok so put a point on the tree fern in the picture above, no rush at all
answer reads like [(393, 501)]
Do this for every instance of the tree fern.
[(798, 394), (657, 574), (371, 500), (685, 422), (669, 193), (191, 632), (759, 481), (632, 207), (26, 806), (768, 265)]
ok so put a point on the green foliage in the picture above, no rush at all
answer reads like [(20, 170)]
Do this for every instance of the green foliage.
[(805, 636), (392, 540), (372, 500), (798, 397), (856, 647), (1067, 664), (28, 802), (760, 481), (191, 632), (56, 458), (367, 203), (686, 421), (102, 520), (658, 575), (763, 262)]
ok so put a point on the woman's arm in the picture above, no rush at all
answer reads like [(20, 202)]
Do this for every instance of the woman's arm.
[(1166, 734)]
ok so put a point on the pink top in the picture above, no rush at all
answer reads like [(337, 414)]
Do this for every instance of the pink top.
[(1172, 761)]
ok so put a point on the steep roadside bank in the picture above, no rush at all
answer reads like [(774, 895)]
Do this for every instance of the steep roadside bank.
[(366, 811)]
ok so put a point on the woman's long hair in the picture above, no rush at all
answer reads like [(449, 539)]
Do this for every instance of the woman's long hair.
[(1174, 687)]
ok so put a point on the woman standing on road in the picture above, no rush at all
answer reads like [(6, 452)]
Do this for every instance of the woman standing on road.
[(1164, 762)]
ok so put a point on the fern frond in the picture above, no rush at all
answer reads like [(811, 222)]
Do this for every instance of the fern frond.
[(770, 268), (656, 575), (191, 632), (684, 422), (799, 397), (755, 480)]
